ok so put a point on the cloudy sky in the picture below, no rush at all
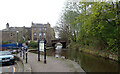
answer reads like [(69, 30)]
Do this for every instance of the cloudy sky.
[(23, 12)]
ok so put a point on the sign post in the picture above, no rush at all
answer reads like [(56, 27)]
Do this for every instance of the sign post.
[(44, 51), (38, 51), (42, 47)]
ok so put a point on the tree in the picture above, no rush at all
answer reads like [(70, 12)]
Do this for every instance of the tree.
[(92, 24)]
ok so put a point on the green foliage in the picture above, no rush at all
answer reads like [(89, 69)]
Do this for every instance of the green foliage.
[(6, 42), (33, 44), (97, 53), (93, 24), (106, 55)]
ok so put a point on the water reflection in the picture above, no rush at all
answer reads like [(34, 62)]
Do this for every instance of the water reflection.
[(92, 63), (88, 62), (58, 50)]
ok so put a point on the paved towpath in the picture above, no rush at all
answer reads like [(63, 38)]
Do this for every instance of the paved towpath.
[(53, 64)]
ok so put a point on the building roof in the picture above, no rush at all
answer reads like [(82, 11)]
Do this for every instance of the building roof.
[(13, 29), (16, 28), (37, 24)]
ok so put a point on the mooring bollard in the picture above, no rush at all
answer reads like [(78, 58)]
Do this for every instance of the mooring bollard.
[(21, 53), (26, 56)]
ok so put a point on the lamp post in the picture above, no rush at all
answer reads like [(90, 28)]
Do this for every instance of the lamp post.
[(17, 39)]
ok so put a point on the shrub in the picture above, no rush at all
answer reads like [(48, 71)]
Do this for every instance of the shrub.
[(33, 44)]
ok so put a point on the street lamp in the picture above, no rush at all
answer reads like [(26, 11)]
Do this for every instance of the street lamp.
[(17, 38)]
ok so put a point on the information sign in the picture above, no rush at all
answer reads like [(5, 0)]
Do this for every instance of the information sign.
[(41, 46)]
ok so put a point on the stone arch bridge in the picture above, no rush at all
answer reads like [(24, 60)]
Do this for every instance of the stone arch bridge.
[(63, 42)]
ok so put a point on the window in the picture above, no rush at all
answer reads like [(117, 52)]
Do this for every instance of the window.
[(40, 34), (34, 33), (34, 28), (40, 29), (44, 34), (45, 29), (11, 34)]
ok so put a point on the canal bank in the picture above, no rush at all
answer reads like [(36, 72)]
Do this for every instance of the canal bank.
[(105, 55), (91, 63), (26, 66), (94, 60), (99, 53), (53, 64), (88, 62)]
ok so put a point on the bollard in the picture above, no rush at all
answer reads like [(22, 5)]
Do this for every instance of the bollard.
[(25, 49), (23, 56), (26, 56), (21, 53), (38, 55)]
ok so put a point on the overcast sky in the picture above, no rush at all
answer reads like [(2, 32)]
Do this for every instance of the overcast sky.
[(19, 13)]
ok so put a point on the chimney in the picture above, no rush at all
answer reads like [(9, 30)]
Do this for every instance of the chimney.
[(32, 23), (48, 24), (7, 26)]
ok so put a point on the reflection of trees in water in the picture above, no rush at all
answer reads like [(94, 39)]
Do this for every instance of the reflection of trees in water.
[(92, 63), (89, 62), (73, 55)]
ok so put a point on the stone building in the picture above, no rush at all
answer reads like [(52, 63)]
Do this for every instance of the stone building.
[(9, 34), (40, 31), (33, 33)]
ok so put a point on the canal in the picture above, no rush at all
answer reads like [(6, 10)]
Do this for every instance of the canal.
[(88, 62), (91, 63)]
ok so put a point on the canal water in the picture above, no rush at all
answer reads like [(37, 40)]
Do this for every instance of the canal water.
[(89, 63)]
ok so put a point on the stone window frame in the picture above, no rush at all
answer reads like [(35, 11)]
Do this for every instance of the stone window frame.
[(45, 28), (40, 29), (11, 34), (44, 34), (34, 33), (40, 34), (35, 29)]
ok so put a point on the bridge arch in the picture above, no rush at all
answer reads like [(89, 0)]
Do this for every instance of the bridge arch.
[(63, 42)]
